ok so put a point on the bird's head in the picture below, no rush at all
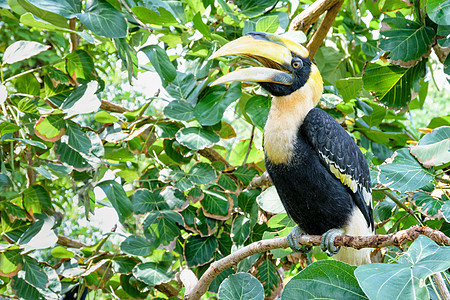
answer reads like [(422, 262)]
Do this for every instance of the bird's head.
[(286, 64)]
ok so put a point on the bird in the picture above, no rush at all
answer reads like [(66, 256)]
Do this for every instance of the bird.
[(320, 174)]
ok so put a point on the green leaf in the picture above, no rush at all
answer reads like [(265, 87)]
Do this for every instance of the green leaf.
[(146, 201), (201, 173), (66, 8), (78, 139), (7, 127), (151, 273), (433, 148), (30, 142), (103, 19), (174, 198), (44, 14), (179, 110), (427, 203), (270, 202), (182, 86), (161, 226), (27, 84), (241, 286), (36, 199), (34, 275), (406, 39), (83, 100), (331, 64), (439, 11), (124, 265), (196, 138), (268, 275), (198, 251), (11, 262), (349, 87), (105, 117), (73, 158), (257, 108), (404, 174), (395, 90), (50, 128), (157, 16), (161, 62), (61, 252), (216, 205), (253, 8), (210, 109), (405, 280), (21, 50), (39, 235), (119, 200), (240, 231), (245, 174), (136, 245), (268, 24), (25, 291), (325, 279), (200, 26), (80, 64)]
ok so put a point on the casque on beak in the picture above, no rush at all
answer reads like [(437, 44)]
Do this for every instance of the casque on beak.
[(274, 52)]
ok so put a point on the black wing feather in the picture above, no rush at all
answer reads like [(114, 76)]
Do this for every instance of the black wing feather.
[(338, 152)]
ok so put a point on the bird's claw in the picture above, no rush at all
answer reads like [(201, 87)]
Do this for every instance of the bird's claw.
[(292, 240), (327, 241)]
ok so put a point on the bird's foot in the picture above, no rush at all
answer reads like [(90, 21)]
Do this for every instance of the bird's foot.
[(327, 241), (292, 240)]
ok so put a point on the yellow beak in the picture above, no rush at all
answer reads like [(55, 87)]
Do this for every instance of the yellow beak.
[(273, 51)]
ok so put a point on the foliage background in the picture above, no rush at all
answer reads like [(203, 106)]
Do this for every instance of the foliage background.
[(107, 118)]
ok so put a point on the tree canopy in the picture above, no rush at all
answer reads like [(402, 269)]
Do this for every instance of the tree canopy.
[(106, 110)]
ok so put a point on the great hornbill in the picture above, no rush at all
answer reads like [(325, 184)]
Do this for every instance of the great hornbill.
[(319, 172)]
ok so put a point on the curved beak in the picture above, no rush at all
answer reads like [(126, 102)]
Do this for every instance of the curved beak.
[(272, 51)]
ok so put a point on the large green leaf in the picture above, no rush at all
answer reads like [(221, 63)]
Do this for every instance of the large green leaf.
[(268, 275), (182, 86), (73, 158), (161, 62), (66, 8), (215, 204), (331, 64), (198, 251), (136, 245), (257, 108), (21, 50), (406, 39), (103, 19), (349, 87), (156, 16), (36, 199), (325, 279), (201, 173), (23, 290), (209, 110), (427, 203), (268, 24), (146, 201), (179, 110), (393, 85), (11, 262), (151, 273), (404, 174), (439, 11), (196, 138), (50, 128), (81, 64), (241, 286), (240, 231), (405, 279), (45, 14), (119, 200), (254, 7), (162, 226), (34, 275), (433, 148)]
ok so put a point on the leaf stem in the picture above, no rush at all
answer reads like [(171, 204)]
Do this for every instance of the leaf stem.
[(402, 205)]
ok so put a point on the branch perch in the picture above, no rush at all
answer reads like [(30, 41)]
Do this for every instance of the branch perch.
[(357, 242)]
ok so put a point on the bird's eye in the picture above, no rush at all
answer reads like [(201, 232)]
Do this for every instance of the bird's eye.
[(297, 64)]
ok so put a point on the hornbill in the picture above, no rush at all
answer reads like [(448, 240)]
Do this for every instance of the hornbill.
[(319, 172)]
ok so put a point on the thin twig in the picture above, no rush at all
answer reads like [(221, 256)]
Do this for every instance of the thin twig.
[(402, 205), (249, 148)]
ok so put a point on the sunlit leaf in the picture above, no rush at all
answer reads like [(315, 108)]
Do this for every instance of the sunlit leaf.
[(240, 231), (439, 11), (433, 148), (270, 202), (21, 50)]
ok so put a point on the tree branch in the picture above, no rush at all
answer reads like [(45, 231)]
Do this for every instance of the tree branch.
[(357, 242), (323, 29), (310, 15)]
